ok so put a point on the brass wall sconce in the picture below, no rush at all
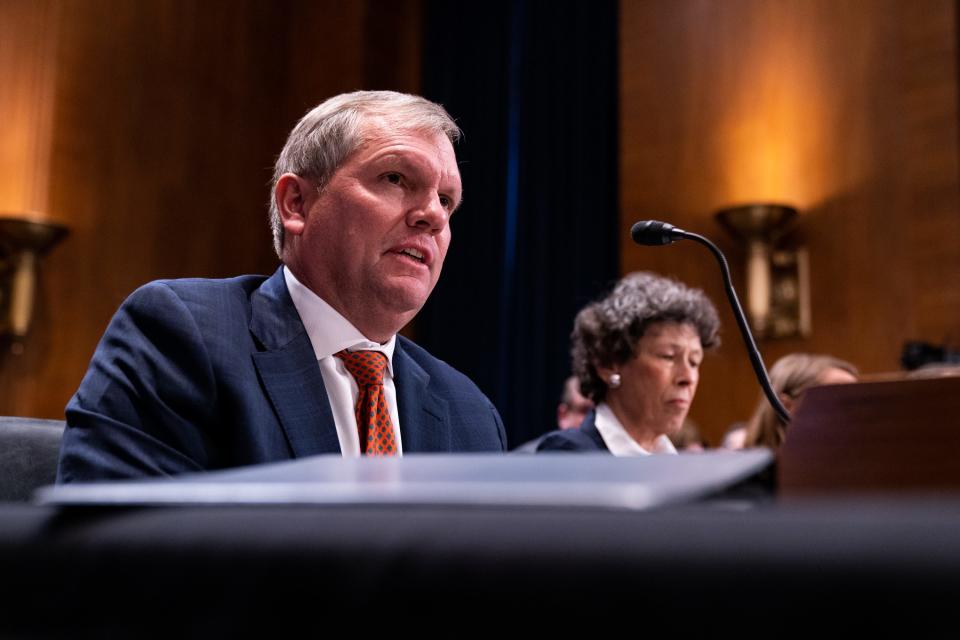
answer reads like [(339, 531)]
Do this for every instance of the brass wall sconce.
[(23, 241), (778, 283)]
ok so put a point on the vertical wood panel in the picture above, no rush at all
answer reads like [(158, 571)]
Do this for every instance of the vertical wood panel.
[(846, 109), (167, 118), (28, 39)]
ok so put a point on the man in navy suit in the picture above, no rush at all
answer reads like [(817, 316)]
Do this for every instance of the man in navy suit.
[(207, 374)]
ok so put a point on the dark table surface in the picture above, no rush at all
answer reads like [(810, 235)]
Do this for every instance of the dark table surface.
[(217, 571)]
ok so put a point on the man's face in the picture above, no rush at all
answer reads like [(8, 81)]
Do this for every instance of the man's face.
[(374, 240)]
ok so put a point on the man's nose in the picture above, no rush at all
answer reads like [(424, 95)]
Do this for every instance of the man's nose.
[(429, 214)]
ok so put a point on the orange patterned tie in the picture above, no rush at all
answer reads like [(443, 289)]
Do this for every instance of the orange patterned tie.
[(373, 417)]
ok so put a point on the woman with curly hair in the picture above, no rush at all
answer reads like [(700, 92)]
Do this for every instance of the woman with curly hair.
[(637, 354)]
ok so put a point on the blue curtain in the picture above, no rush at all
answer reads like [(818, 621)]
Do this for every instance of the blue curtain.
[(534, 87)]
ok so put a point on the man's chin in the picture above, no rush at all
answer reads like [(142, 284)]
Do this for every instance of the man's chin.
[(403, 303), (405, 295)]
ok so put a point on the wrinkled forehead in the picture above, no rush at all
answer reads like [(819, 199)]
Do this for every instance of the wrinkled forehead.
[(381, 132), (375, 128)]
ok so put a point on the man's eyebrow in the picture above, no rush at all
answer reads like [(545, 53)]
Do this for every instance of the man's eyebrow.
[(392, 156), (413, 161), (402, 160)]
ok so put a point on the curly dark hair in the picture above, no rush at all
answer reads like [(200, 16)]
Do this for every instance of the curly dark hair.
[(606, 331)]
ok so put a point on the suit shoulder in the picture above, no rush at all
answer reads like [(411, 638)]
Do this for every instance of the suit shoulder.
[(197, 294), (200, 287)]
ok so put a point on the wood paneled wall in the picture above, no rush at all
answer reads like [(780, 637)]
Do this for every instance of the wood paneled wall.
[(846, 109), (28, 40), (166, 116), (155, 124)]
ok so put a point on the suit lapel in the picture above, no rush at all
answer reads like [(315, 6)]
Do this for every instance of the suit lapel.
[(424, 416), (289, 371)]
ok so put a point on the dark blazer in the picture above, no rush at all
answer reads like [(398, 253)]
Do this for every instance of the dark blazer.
[(583, 438), (207, 374)]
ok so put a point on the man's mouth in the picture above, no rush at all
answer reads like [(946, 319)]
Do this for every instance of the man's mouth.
[(413, 253)]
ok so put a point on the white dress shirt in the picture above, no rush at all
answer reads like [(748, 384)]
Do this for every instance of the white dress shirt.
[(329, 333), (619, 441)]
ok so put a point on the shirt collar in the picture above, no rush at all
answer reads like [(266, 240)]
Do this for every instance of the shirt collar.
[(617, 439), (330, 332)]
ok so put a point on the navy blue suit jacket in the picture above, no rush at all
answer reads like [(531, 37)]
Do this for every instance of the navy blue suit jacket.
[(207, 374), (586, 437)]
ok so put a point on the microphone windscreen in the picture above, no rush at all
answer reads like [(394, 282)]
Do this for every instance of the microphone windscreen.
[(652, 233)]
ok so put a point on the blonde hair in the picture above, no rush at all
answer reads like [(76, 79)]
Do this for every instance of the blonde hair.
[(790, 376)]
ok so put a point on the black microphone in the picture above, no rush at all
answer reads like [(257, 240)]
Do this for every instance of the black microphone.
[(652, 233), (656, 233)]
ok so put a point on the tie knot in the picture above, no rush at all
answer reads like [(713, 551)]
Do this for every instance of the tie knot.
[(366, 367)]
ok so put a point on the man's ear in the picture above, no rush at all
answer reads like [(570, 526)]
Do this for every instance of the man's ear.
[(293, 196)]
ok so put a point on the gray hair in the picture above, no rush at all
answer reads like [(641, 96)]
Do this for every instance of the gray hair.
[(606, 332), (331, 131)]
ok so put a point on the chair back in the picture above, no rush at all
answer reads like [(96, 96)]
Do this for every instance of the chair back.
[(29, 449)]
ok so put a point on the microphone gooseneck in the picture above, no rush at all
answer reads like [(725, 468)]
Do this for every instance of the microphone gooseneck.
[(656, 233)]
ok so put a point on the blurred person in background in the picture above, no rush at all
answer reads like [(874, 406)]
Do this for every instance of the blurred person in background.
[(790, 377), (689, 437), (574, 406)]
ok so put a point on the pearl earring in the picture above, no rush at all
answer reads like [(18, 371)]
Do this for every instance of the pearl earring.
[(614, 380)]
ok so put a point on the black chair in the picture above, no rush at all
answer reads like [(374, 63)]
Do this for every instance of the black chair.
[(29, 449)]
